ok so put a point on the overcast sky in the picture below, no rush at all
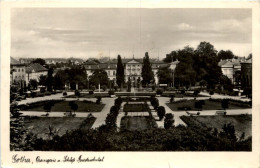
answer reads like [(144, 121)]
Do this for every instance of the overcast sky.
[(89, 32)]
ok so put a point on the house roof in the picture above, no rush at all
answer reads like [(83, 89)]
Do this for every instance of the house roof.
[(35, 67), (14, 61)]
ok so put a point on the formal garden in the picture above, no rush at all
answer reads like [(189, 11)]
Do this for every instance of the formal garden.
[(64, 106), (208, 104)]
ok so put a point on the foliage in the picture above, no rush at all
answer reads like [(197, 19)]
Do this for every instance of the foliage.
[(33, 83), (47, 106), (168, 121), (225, 55), (161, 112), (73, 105), (165, 75), (111, 92), (159, 91), (98, 100), (39, 61), (147, 73), (77, 93), (120, 75), (99, 77), (224, 103), (154, 102), (65, 94)]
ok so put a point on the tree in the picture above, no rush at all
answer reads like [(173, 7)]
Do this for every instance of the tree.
[(99, 76), (147, 73), (165, 75), (129, 85), (168, 121), (249, 56), (120, 75), (33, 83), (222, 55), (161, 112), (43, 80), (39, 61), (49, 80), (206, 64)]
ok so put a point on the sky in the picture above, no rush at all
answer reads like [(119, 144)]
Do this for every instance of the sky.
[(101, 32)]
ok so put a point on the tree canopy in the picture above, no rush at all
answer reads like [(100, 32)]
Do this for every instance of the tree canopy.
[(99, 76), (147, 73), (120, 75)]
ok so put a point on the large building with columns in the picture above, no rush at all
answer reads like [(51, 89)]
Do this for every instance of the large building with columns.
[(132, 68)]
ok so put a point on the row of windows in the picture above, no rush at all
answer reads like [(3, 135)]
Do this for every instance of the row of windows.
[(19, 70), (19, 77)]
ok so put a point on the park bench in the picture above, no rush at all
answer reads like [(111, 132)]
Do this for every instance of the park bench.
[(220, 112)]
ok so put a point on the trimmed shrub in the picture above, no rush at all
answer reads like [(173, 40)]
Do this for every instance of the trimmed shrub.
[(159, 91), (161, 112), (33, 94), (168, 121), (111, 92), (43, 89), (98, 100), (77, 93), (65, 94), (182, 91), (47, 93), (91, 92), (211, 92)]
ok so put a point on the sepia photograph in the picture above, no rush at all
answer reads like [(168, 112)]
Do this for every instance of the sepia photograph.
[(129, 79)]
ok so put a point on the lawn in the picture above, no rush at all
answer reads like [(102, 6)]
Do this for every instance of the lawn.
[(40, 125), (134, 123), (209, 105), (135, 108), (63, 106), (86, 95), (242, 123)]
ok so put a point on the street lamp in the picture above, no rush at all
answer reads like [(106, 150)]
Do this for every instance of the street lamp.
[(173, 65)]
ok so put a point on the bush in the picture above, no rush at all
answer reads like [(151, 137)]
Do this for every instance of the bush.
[(93, 88), (47, 93), (98, 100), (40, 94), (116, 88), (211, 92), (154, 102), (91, 92), (104, 87), (168, 121), (111, 92), (77, 93), (43, 89), (33, 94), (153, 88), (159, 91), (65, 94), (182, 91), (196, 93), (161, 112), (172, 98)]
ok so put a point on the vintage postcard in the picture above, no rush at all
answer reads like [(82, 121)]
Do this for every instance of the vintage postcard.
[(130, 84)]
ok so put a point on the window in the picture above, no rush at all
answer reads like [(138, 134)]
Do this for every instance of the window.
[(114, 72), (19, 70), (22, 70), (108, 73)]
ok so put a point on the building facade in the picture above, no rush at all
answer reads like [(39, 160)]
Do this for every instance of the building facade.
[(230, 67), (34, 71), (17, 74), (132, 68)]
